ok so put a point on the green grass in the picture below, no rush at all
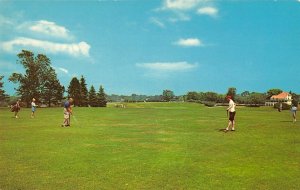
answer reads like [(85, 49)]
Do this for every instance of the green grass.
[(149, 146)]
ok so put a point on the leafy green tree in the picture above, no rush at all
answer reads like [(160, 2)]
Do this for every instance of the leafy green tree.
[(74, 91), (210, 96), (168, 95), (38, 74), (93, 100), (245, 93), (53, 91), (256, 98), (273, 91), (231, 92), (192, 96), (101, 97), (84, 99), (3, 96), (295, 98)]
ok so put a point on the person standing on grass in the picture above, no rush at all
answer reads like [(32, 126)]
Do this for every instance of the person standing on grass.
[(67, 112), (294, 110), (231, 110), (16, 108), (33, 108)]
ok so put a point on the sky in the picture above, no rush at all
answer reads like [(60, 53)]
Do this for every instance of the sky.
[(147, 46)]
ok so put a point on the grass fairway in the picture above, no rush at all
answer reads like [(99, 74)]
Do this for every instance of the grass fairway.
[(149, 146)]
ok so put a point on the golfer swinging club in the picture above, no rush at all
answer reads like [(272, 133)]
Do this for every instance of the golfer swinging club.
[(231, 110), (67, 113)]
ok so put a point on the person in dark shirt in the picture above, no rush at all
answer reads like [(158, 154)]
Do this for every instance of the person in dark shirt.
[(16, 108)]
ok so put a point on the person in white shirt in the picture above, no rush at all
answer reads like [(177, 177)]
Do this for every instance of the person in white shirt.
[(33, 107), (231, 110), (294, 108)]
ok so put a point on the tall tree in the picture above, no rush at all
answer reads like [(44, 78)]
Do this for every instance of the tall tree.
[(192, 96), (74, 91), (38, 73), (245, 93), (53, 91), (93, 100), (168, 95), (101, 97), (3, 96), (84, 99), (231, 92), (273, 91)]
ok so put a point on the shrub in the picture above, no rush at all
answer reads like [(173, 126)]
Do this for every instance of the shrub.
[(253, 105), (209, 103), (285, 106)]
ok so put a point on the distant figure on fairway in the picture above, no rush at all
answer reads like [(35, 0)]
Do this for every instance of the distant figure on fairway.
[(280, 107), (33, 107), (231, 110), (294, 110), (67, 113), (16, 108)]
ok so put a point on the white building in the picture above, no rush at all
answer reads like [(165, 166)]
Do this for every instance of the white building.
[(284, 97)]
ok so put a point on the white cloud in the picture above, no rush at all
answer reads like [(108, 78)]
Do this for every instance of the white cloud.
[(49, 28), (179, 16), (190, 42), (73, 49), (63, 70), (181, 4), (5, 21), (183, 9), (167, 66), (157, 22), (210, 11)]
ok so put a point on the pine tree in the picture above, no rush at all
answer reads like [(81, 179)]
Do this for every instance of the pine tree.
[(93, 101), (83, 92), (74, 91), (3, 96), (53, 91), (101, 97)]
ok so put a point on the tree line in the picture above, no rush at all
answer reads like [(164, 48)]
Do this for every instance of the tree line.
[(40, 81)]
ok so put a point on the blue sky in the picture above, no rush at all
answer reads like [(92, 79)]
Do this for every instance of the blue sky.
[(144, 47)]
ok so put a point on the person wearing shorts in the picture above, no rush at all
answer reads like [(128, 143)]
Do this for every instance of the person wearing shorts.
[(33, 107), (231, 111), (67, 113), (294, 111)]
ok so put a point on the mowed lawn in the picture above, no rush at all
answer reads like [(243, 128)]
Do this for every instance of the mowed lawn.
[(149, 146)]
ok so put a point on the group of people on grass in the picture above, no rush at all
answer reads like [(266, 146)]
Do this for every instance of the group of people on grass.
[(67, 110), (231, 111)]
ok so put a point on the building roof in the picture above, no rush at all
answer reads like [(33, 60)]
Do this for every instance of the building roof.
[(282, 95)]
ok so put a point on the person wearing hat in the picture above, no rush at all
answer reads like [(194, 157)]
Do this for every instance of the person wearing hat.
[(67, 113), (231, 110), (33, 107)]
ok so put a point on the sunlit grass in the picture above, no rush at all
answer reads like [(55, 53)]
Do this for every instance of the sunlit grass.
[(149, 146)]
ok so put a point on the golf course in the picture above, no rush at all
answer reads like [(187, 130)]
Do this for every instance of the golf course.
[(149, 146)]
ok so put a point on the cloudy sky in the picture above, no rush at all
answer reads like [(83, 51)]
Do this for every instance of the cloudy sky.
[(144, 47)]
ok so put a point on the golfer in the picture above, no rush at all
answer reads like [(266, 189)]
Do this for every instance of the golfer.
[(33, 108), (16, 108), (231, 110), (67, 112), (294, 110)]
